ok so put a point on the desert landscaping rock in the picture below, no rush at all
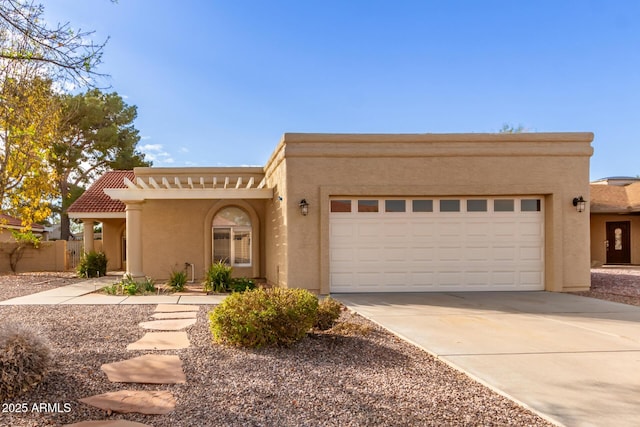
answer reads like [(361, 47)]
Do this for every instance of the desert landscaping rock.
[(161, 341), (147, 369), (168, 324), (107, 423), (172, 308), (140, 401), (176, 315)]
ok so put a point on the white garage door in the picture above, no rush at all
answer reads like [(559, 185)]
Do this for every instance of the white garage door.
[(436, 244)]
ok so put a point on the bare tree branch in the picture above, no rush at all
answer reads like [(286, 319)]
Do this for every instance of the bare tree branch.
[(66, 54)]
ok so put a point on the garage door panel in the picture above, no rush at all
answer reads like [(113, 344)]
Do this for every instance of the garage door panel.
[(477, 278), (422, 253), (454, 277), (437, 251), (503, 277), (341, 229), (477, 253), (504, 230), (530, 229), (394, 229), (422, 228), (394, 254), (342, 255), (479, 230), (368, 254), (504, 253), (450, 230), (530, 278), (368, 230), (530, 253)]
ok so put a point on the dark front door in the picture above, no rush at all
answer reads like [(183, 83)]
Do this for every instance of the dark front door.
[(618, 242)]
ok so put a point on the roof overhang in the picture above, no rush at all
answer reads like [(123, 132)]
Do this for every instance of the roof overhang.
[(165, 188)]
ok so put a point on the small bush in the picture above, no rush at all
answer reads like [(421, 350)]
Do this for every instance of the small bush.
[(264, 317), (92, 264), (241, 284), (328, 312), (218, 277), (129, 286), (24, 360), (178, 280)]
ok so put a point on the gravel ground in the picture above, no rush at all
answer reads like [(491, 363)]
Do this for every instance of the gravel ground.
[(359, 376), (615, 284), (17, 285)]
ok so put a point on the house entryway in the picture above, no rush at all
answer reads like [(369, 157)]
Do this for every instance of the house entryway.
[(618, 243)]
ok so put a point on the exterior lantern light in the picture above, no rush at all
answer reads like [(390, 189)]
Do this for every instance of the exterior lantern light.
[(579, 203), (304, 207)]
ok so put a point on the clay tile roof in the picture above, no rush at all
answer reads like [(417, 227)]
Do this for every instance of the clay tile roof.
[(15, 222), (95, 200)]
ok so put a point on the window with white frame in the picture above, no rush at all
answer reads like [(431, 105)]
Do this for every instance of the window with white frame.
[(231, 234)]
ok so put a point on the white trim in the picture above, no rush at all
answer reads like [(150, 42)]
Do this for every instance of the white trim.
[(96, 215), (131, 195)]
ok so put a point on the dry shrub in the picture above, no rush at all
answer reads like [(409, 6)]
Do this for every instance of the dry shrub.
[(351, 329), (328, 313), (264, 317), (24, 360)]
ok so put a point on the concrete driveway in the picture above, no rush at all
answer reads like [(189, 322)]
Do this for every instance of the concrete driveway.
[(574, 360)]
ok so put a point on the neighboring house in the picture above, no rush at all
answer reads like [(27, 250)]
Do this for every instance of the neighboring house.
[(363, 213), (615, 217), (54, 233), (9, 224)]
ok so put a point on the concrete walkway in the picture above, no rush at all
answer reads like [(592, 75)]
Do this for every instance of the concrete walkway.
[(82, 293), (574, 360)]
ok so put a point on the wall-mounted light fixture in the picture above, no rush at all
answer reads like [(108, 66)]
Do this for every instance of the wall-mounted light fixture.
[(579, 203), (304, 207)]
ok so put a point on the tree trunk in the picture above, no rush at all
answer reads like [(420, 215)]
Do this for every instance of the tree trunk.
[(65, 231)]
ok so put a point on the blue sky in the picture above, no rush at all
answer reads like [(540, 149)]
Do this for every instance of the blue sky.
[(217, 83)]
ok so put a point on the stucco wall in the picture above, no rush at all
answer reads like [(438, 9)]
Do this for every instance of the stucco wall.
[(50, 256), (112, 232), (555, 166), (599, 236), (276, 232), (179, 231)]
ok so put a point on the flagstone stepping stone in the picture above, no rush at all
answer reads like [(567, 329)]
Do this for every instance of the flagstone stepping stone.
[(172, 308), (176, 315), (161, 341), (168, 325), (147, 369), (107, 423), (126, 401)]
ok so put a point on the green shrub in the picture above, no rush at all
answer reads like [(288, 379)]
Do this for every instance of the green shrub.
[(178, 280), (24, 360), (112, 289), (264, 317), (92, 264), (129, 286), (241, 284), (328, 312), (218, 277)]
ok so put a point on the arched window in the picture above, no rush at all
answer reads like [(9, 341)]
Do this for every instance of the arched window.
[(232, 237)]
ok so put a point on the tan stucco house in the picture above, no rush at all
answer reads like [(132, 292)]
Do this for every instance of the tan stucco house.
[(363, 213), (615, 218)]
